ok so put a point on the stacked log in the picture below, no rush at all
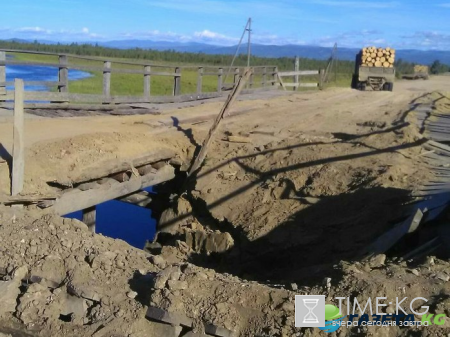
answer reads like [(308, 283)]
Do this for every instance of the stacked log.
[(377, 57), (420, 69)]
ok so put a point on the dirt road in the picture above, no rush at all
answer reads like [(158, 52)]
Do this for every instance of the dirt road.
[(56, 146)]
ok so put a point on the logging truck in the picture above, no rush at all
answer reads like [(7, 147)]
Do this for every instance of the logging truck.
[(374, 67), (420, 72)]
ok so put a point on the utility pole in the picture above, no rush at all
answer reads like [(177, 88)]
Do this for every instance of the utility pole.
[(249, 30)]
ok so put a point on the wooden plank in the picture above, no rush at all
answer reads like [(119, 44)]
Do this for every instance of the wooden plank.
[(107, 80), (228, 104), (89, 217), (309, 85), (76, 200), (392, 236), (200, 80), (2, 73), (141, 199), (299, 73), (29, 83), (109, 167), (147, 81), (18, 140), (177, 83), (219, 80), (296, 69), (281, 82), (63, 74)]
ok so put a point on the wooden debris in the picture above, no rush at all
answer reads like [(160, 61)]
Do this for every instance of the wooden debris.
[(228, 104), (76, 200), (392, 236), (110, 167), (238, 139)]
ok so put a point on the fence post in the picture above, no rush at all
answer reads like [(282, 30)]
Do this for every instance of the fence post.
[(236, 75), (250, 81), (321, 78), (63, 74), (2, 73), (200, 80), (18, 164), (264, 77), (219, 80), (177, 82), (296, 68), (106, 80), (147, 81), (274, 76)]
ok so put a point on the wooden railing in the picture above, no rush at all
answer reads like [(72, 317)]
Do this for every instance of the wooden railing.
[(148, 71), (297, 83)]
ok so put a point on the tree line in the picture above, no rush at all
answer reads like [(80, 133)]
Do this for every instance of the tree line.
[(283, 63)]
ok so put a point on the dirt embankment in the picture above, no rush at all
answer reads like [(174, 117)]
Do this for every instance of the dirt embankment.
[(318, 177)]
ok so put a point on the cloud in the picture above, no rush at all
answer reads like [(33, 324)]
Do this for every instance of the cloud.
[(355, 38), (357, 4), (63, 35), (426, 40)]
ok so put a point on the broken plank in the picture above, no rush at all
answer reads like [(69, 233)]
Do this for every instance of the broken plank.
[(392, 236), (238, 139), (109, 167), (76, 200), (141, 199)]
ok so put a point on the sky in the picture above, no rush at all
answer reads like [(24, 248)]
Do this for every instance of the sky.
[(402, 24)]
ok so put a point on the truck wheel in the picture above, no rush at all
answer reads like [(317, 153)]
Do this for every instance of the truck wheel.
[(362, 86), (386, 86), (391, 86)]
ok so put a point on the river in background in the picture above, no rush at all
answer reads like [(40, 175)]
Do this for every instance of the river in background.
[(115, 219), (40, 73)]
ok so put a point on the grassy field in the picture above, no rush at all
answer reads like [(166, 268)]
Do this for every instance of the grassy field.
[(133, 84)]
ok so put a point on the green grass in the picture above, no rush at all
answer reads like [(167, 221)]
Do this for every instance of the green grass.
[(133, 84)]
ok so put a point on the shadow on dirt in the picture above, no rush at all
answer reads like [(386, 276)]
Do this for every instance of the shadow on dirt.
[(307, 245)]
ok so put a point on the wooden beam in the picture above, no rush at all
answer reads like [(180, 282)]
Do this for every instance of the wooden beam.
[(200, 80), (89, 217), (18, 140), (392, 236), (109, 167), (296, 69), (63, 74), (228, 104), (147, 81), (141, 199), (177, 82), (107, 80), (76, 200), (219, 80), (298, 73), (2, 73)]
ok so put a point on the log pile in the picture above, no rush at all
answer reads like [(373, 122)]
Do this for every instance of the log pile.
[(420, 69), (377, 57)]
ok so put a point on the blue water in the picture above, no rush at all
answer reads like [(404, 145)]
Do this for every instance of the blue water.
[(115, 219), (119, 220), (38, 73)]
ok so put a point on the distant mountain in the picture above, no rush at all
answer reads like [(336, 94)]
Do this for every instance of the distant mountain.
[(313, 52)]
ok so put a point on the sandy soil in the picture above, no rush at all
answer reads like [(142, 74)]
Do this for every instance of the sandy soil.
[(321, 174)]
